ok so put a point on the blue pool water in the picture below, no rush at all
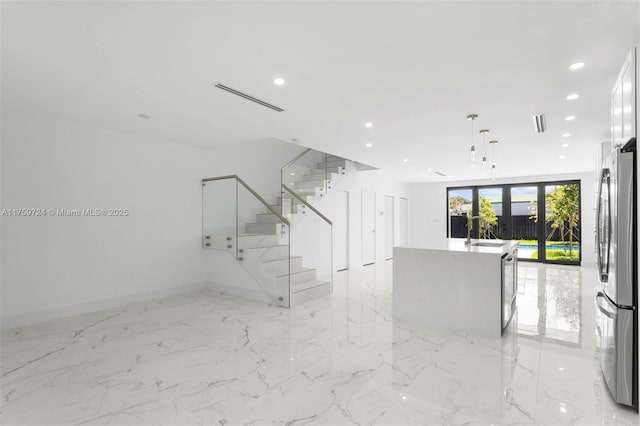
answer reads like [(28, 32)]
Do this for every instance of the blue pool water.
[(549, 247)]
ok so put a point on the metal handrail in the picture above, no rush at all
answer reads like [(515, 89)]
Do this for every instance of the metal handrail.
[(296, 158), (313, 209), (252, 191)]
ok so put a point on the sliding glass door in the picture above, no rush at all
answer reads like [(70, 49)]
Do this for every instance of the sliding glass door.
[(544, 217), (562, 233), (524, 221), (491, 223), (461, 202)]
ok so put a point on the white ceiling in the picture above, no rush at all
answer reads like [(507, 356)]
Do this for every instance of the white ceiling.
[(414, 69)]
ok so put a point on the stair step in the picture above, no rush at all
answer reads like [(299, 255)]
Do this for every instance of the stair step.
[(309, 184), (277, 207), (261, 228), (332, 163), (267, 218), (300, 276), (315, 290), (280, 267), (266, 253), (319, 176), (305, 285), (305, 191), (246, 241), (322, 171)]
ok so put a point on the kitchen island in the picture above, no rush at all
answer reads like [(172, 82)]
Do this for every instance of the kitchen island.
[(452, 285)]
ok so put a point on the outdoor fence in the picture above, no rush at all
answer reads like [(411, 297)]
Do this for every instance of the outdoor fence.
[(522, 228)]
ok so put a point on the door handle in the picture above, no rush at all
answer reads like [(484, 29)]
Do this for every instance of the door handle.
[(602, 309)]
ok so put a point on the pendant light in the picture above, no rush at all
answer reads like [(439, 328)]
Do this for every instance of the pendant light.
[(484, 132), (472, 118), (493, 159)]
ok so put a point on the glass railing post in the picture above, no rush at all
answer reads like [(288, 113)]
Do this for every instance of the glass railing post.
[(326, 174), (236, 242)]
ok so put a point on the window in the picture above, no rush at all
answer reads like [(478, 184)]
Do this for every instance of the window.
[(550, 233)]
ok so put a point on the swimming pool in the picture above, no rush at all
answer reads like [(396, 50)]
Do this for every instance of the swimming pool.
[(576, 247)]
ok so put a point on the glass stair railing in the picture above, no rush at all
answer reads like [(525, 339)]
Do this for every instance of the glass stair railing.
[(312, 173), (305, 180), (310, 238), (236, 219)]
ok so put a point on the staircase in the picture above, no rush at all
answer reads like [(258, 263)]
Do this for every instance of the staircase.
[(285, 246), (266, 256), (316, 180)]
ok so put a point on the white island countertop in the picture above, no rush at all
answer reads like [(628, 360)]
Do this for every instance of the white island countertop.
[(448, 284), (498, 247)]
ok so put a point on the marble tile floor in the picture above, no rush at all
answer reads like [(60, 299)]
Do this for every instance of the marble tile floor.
[(206, 358)]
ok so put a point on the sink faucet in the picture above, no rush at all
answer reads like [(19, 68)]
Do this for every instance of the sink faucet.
[(469, 224)]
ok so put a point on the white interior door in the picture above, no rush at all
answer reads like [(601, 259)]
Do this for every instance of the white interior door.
[(368, 227), (388, 227), (403, 225), (341, 231)]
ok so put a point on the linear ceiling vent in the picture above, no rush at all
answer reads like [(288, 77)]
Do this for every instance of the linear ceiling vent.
[(540, 123), (248, 97), (441, 174)]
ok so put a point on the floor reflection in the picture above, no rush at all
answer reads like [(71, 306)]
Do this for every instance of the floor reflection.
[(550, 303)]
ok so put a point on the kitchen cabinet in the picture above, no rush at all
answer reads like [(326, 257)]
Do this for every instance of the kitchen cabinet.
[(623, 102)]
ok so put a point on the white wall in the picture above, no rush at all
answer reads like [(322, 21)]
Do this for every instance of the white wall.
[(258, 163), (56, 266), (428, 208), (378, 182)]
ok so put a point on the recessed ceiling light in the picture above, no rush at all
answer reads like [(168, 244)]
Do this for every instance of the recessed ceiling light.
[(368, 124), (576, 66), (279, 81), (144, 116), (369, 145), (573, 96), (570, 118), (566, 135), (405, 160), (562, 157), (429, 169), (564, 145), (293, 174)]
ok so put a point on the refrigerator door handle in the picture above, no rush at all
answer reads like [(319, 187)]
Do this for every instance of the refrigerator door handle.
[(601, 308), (603, 264)]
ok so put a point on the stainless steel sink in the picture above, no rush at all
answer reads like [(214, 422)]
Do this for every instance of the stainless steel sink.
[(487, 244)]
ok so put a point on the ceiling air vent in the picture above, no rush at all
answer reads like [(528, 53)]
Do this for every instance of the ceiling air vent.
[(540, 123), (441, 174), (248, 97)]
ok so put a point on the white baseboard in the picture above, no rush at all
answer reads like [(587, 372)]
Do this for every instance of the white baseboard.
[(83, 308)]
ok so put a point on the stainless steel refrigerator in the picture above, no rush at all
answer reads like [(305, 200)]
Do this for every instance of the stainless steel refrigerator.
[(617, 292)]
